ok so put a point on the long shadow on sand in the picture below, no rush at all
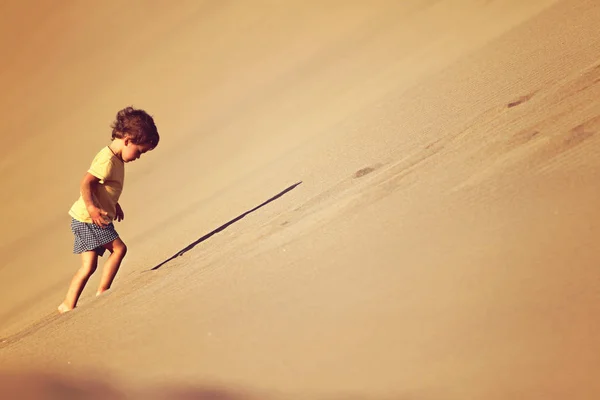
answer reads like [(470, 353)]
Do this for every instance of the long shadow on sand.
[(223, 227)]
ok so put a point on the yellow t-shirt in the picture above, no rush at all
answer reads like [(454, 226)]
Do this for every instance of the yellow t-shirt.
[(111, 171)]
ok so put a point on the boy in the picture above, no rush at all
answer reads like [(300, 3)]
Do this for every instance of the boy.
[(133, 134)]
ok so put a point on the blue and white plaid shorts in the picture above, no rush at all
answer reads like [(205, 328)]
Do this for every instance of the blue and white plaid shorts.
[(91, 237)]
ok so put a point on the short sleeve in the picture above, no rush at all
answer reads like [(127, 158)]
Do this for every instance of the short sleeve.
[(101, 167)]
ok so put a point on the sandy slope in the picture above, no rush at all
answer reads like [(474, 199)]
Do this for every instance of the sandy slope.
[(440, 245)]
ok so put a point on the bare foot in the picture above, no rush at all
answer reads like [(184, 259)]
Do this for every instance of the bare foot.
[(99, 292), (63, 308)]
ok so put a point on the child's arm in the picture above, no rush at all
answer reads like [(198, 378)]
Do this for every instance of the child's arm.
[(88, 186)]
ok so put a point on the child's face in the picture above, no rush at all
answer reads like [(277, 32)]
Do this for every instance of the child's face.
[(132, 151)]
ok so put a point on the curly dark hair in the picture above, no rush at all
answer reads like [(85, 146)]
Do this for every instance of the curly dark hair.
[(137, 125)]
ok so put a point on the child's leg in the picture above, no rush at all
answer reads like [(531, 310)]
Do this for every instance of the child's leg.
[(117, 252), (89, 263)]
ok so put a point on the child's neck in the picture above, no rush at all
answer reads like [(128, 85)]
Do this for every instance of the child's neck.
[(116, 146)]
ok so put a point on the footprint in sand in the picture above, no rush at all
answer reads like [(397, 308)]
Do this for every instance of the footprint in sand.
[(364, 171), (520, 100)]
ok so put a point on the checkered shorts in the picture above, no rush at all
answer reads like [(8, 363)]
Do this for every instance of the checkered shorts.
[(91, 237)]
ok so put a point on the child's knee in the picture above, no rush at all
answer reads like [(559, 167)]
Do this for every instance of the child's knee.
[(88, 269), (121, 249)]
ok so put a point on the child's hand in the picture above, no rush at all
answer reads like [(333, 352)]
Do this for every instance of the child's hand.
[(98, 216), (120, 215)]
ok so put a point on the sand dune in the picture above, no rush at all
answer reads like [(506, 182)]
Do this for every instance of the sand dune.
[(439, 244)]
